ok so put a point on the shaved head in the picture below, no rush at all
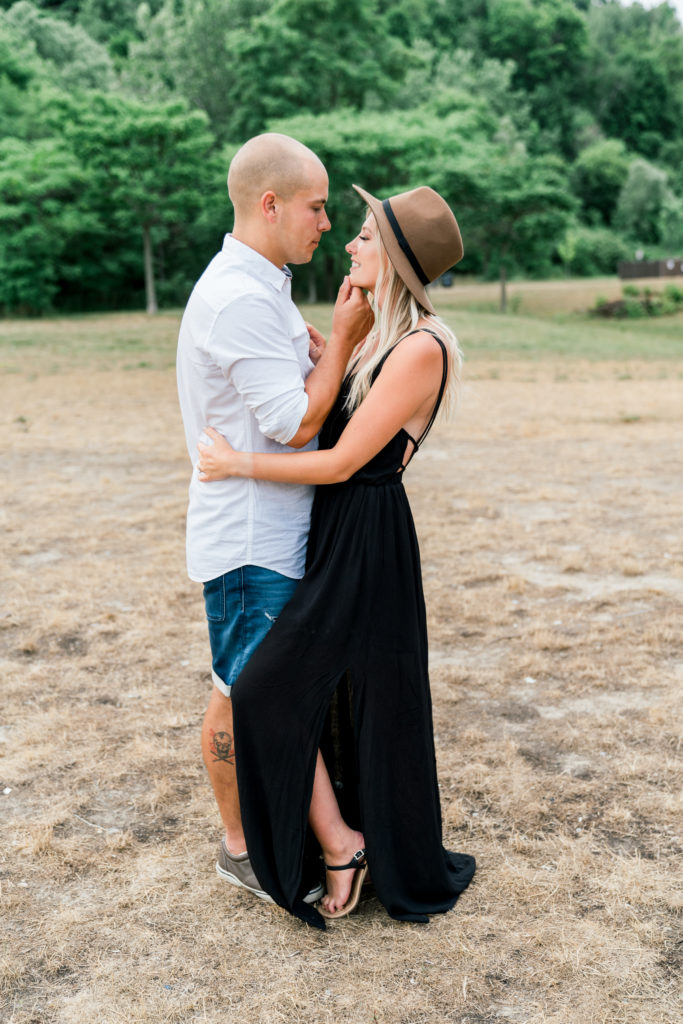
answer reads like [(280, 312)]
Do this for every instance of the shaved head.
[(269, 162)]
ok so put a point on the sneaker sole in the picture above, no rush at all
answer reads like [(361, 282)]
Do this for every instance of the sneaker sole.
[(310, 897), (315, 894), (234, 880)]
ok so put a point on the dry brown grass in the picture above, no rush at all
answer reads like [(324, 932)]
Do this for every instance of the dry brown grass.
[(564, 295), (549, 515)]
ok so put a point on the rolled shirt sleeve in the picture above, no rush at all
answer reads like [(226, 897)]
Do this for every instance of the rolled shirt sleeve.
[(257, 356)]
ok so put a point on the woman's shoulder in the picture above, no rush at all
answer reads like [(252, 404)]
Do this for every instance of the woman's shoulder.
[(421, 345)]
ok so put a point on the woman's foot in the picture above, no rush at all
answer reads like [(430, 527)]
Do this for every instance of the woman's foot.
[(340, 883)]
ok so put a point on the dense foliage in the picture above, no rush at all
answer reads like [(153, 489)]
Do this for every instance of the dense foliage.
[(554, 128)]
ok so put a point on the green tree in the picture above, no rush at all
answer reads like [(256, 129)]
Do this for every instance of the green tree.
[(149, 169), (20, 81), (112, 22), (442, 82), (188, 52), (670, 227), (43, 223), (448, 24), (471, 96), (314, 55), (514, 207), (76, 60), (641, 200), (547, 41), (589, 251), (66, 8), (633, 76), (597, 176), (17, 66)]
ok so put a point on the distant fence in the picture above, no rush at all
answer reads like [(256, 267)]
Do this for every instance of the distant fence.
[(651, 268)]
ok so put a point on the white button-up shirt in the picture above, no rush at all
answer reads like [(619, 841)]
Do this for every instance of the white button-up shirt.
[(242, 362)]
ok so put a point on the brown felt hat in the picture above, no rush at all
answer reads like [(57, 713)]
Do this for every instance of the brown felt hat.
[(420, 234)]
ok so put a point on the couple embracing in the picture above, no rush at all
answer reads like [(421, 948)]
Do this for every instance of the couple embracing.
[(318, 736)]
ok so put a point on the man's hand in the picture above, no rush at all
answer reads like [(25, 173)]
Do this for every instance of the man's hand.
[(352, 318), (316, 344)]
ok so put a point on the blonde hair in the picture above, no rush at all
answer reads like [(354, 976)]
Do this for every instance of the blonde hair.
[(400, 313)]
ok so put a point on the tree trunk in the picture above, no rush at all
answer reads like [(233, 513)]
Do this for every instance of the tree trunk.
[(503, 289), (150, 290)]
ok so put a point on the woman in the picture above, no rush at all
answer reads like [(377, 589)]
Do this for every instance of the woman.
[(344, 669)]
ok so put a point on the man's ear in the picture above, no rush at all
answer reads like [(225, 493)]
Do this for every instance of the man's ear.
[(269, 206)]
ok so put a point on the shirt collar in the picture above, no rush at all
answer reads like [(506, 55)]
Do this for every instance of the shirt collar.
[(255, 263)]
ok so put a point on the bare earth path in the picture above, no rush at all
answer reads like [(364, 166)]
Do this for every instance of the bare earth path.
[(549, 515)]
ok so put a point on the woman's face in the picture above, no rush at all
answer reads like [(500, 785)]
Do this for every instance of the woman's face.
[(364, 256)]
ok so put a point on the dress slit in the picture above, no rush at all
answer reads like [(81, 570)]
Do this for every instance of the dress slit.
[(344, 670)]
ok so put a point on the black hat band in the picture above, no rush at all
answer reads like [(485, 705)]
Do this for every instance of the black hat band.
[(403, 242)]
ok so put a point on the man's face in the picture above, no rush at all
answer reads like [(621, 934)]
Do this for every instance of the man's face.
[(303, 219)]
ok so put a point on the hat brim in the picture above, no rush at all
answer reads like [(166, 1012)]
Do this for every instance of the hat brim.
[(398, 258)]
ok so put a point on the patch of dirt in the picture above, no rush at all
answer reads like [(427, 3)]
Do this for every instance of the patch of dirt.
[(549, 520)]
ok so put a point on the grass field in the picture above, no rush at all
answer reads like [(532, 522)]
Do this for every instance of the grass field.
[(549, 515), (549, 320)]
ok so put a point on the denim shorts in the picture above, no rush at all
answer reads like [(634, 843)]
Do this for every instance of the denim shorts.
[(241, 606)]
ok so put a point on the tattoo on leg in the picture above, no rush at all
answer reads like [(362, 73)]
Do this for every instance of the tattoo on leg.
[(222, 747)]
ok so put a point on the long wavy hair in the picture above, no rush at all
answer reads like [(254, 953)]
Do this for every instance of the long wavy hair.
[(400, 313)]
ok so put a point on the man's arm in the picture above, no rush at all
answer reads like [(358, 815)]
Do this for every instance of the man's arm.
[(252, 346), (351, 322)]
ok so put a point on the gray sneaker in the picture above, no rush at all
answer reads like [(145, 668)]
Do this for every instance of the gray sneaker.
[(237, 870)]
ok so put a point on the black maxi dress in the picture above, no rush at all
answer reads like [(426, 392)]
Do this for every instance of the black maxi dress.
[(344, 668)]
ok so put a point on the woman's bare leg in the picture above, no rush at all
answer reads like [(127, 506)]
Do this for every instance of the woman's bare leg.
[(338, 842)]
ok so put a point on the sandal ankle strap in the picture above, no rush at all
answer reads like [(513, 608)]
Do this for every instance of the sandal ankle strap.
[(355, 862)]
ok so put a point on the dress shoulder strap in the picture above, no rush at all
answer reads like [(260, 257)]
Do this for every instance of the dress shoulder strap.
[(444, 376), (442, 388)]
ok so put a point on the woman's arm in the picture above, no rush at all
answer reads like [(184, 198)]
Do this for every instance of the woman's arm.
[(409, 381)]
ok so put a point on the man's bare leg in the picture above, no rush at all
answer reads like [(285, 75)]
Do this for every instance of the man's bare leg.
[(218, 750), (337, 840)]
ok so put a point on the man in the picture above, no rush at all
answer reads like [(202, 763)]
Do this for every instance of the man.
[(245, 367)]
